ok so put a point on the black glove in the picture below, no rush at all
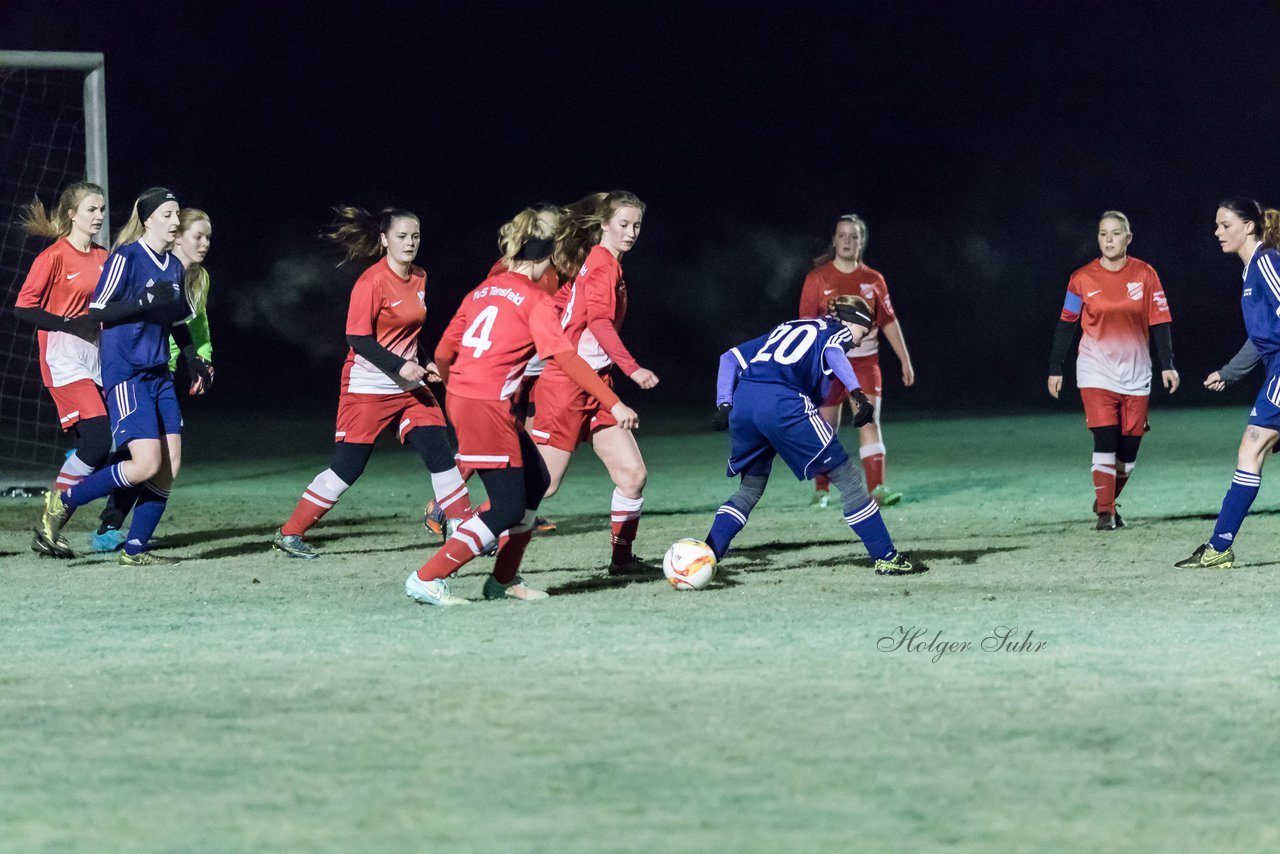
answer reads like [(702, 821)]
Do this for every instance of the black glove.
[(82, 327), (863, 410), (198, 368), (720, 421)]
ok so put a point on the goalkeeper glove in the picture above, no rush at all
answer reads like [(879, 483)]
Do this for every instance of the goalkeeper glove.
[(720, 421), (864, 411)]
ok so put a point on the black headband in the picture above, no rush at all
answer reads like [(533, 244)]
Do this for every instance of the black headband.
[(536, 248), (151, 200), (853, 313)]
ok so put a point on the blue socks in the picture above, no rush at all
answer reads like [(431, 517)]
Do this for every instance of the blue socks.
[(97, 485), (869, 526), (146, 516), (728, 522), (1235, 506)]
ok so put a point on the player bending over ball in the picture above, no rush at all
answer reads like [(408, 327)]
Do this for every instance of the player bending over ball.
[(382, 382), (1120, 303), (1254, 236), (780, 379), (482, 356)]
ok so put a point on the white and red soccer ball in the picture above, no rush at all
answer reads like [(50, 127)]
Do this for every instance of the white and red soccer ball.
[(689, 564)]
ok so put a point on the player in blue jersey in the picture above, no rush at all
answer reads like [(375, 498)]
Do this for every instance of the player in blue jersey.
[(1253, 234), (138, 299), (767, 395)]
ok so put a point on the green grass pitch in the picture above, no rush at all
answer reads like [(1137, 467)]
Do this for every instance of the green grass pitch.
[(246, 702)]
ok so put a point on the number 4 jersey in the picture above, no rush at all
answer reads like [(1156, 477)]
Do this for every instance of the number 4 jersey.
[(793, 355), (495, 332)]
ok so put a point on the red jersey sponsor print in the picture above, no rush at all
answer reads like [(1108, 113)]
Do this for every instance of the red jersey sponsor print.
[(393, 309), (498, 328), (827, 282), (592, 309), (1116, 311), (548, 282), (61, 281)]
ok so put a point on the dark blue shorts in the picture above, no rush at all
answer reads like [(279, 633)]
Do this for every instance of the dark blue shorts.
[(143, 407), (1266, 409), (769, 419)]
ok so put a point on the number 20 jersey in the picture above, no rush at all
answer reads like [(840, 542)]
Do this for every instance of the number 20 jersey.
[(792, 354), (496, 331)]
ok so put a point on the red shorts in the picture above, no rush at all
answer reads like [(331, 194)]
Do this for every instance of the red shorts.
[(565, 415), (488, 433), (867, 370), (361, 417), (1103, 408), (78, 401)]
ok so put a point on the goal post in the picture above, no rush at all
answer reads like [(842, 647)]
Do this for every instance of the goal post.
[(53, 132)]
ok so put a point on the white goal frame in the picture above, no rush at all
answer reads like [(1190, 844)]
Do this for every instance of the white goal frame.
[(95, 104)]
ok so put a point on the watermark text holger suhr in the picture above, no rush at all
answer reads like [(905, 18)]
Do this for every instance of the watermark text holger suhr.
[(918, 639)]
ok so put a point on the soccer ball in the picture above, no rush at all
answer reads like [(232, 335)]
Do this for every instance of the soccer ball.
[(689, 564)]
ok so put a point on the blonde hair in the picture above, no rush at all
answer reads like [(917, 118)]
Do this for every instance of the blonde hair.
[(131, 231), (38, 223), (529, 224), (196, 277), (830, 255), (357, 231), (1271, 228), (580, 227), (1119, 217)]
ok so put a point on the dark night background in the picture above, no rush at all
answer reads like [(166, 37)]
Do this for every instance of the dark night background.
[(979, 140)]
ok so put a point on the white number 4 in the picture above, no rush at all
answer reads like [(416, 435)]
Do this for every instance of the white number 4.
[(477, 334)]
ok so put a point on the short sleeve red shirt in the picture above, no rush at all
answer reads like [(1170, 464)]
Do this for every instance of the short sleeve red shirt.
[(61, 281), (598, 292), (827, 282), (497, 329), (391, 308)]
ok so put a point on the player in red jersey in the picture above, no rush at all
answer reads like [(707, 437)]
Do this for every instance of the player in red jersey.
[(593, 235), (433, 518), (55, 299), (483, 353), (839, 272), (382, 383), (1120, 304)]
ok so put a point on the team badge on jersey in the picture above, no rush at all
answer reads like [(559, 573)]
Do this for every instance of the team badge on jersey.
[(868, 290), (1135, 290), (422, 297)]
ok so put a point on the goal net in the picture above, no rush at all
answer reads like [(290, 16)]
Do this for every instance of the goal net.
[(52, 133)]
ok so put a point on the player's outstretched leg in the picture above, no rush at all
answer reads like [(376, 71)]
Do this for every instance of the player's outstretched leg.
[(320, 496), (732, 515), (862, 513)]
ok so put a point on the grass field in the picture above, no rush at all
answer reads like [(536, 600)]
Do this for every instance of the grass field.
[(245, 702)]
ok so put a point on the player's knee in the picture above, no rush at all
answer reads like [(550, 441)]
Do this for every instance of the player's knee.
[(93, 441), (349, 460), (1106, 440), (630, 479), (848, 479), (432, 444)]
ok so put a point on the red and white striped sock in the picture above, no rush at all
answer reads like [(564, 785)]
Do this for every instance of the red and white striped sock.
[(451, 493), (317, 500), (511, 549), (625, 518), (1104, 482), (472, 537), (872, 456), (72, 472)]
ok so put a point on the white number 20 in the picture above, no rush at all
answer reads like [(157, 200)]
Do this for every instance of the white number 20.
[(477, 334), (789, 348)]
